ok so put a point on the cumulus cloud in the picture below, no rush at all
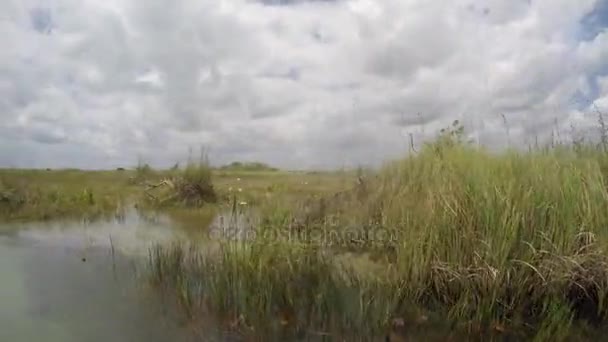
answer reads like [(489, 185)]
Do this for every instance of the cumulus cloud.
[(297, 84)]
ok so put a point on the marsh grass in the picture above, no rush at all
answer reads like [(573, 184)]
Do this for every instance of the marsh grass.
[(248, 166), (43, 195), (271, 290), (494, 245), (188, 187), (31, 195)]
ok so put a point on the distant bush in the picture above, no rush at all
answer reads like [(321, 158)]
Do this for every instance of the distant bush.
[(143, 172), (143, 169), (248, 166)]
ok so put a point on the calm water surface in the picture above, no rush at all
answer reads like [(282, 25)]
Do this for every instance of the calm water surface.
[(61, 282)]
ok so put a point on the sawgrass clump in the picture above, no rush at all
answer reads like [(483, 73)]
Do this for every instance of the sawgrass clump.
[(191, 186)]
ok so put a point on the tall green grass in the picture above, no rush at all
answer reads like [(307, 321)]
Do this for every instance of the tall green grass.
[(264, 289), (511, 243)]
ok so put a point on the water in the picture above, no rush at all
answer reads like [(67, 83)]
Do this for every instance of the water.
[(62, 282)]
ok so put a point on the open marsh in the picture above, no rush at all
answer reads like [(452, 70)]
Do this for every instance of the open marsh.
[(454, 243)]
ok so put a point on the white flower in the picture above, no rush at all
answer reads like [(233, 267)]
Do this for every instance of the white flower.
[(242, 203), (238, 179), (230, 189), (240, 190)]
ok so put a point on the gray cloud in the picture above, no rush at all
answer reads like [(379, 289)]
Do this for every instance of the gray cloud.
[(304, 84)]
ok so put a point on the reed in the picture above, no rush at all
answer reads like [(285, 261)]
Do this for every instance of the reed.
[(457, 240)]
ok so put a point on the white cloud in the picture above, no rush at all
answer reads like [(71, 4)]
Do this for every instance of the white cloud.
[(302, 84)]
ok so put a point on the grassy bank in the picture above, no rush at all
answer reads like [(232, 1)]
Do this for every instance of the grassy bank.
[(190, 194), (32, 195), (454, 241)]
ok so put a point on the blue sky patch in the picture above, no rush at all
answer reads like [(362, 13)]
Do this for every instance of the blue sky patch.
[(595, 22)]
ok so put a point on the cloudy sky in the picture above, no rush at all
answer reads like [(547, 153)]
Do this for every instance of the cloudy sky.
[(295, 83)]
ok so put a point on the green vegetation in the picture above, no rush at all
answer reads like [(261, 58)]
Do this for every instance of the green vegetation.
[(454, 240), (191, 195), (27, 195), (247, 166), (190, 187)]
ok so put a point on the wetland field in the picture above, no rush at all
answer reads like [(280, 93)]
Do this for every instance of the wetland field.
[(452, 243)]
